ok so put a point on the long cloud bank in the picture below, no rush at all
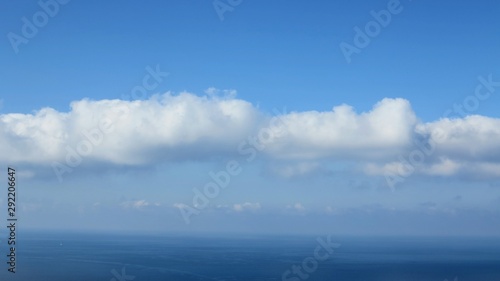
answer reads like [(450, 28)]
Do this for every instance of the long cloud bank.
[(388, 139)]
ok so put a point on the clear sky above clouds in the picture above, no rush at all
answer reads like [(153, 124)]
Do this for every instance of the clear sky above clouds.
[(119, 115)]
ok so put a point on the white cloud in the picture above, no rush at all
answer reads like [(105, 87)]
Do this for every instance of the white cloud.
[(342, 133), (180, 206), (445, 167), (188, 127), (470, 138), (466, 147), (297, 207), (292, 170), (246, 206), (140, 132), (139, 204), (329, 210)]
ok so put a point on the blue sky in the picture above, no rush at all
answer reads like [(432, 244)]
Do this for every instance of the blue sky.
[(325, 173)]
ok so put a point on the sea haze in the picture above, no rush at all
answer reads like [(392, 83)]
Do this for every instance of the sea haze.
[(70, 256)]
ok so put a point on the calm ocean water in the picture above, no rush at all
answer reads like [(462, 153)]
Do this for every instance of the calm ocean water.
[(185, 258)]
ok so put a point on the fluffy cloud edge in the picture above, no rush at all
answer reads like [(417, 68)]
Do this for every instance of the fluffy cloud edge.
[(184, 126)]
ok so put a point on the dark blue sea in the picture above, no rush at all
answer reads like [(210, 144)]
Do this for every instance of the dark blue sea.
[(120, 257)]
